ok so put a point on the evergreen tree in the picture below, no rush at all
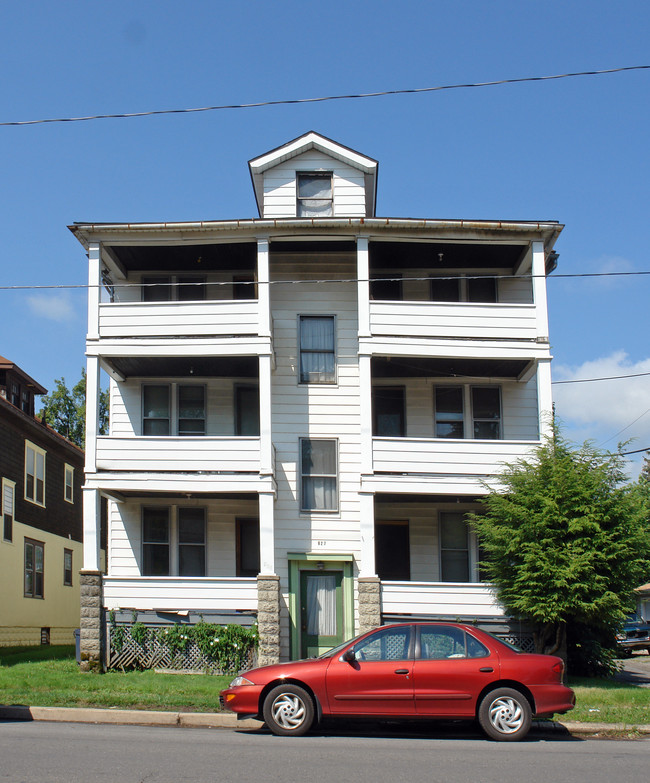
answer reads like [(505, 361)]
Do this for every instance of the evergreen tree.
[(65, 410), (566, 540)]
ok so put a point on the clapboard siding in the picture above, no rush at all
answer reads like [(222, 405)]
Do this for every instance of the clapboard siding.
[(461, 458), (125, 533), (181, 593), (453, 319), (456, 599), (179, 454), (280, 186), (164, 319)]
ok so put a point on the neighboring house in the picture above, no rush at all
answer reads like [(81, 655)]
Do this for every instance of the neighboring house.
[(305, 406), (40, 541)]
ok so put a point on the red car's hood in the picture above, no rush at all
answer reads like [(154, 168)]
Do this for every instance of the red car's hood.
[(265, 673)]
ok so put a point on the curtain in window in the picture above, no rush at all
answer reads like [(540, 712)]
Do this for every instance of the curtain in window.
[(317, 350), (321, 605), (319, 474)]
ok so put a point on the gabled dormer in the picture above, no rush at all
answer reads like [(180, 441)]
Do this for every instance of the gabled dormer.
[(17, 387), (314, 177)]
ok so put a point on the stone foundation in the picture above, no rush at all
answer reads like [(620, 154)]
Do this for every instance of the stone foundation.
[(92, 621), (268, 619), (369, 603)]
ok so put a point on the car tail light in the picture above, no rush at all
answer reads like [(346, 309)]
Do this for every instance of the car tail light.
[(558, 668)]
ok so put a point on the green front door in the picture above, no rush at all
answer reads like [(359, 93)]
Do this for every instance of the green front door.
[(321, 611)]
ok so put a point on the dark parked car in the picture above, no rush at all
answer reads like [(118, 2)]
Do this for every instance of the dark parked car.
[(410, 670), (635, 635)]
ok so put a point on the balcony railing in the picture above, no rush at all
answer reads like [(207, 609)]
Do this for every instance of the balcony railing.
[(176, 593), (179, 454), (178, 319), (456, 599), (449, 457), (453, 319)]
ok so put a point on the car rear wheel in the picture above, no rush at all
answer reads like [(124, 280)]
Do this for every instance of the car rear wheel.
[(288, 711), (505, 715)]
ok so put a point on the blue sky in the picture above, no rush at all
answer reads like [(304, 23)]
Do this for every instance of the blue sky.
[(573, 150)]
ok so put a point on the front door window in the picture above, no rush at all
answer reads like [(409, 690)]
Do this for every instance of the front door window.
[(321, 611)]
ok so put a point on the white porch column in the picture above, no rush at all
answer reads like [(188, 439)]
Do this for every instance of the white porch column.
[(91, 529), (365, 414), (267, 534), (263, 288), (266, 441), (545, 398), (367, 567), (92, 412), (363, 286), (538, 270), (94, 283)]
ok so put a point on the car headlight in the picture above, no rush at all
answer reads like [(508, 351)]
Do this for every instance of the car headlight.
[(240, 681)]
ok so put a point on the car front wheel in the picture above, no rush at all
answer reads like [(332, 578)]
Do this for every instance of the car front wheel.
[(288, 711), (505, 715)]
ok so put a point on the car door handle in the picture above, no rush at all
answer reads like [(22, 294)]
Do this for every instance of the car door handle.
[(401, 671), (486, 669)]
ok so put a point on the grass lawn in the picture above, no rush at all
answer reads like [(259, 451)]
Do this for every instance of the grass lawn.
[(50, 677)]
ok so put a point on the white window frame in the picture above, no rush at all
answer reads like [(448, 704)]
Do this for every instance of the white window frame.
[(173, 543), (174, 409), (300, 199), (304, 476), (37, 452), (68, 473), (334, 380), (10, 486), (468, 409), (463, 286), (472, 546)]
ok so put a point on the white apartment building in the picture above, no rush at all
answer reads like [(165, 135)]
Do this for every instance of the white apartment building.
[(306, 405)]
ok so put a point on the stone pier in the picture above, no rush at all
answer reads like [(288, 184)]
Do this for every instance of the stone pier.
[(92, 621), (268, 619), (369, 603)]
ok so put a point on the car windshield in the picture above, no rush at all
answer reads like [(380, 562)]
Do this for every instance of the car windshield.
[(339, 647)]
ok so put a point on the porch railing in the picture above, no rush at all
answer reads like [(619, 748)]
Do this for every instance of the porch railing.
[(225, 454), (453, 319), (175, 593), (457, 457), (174, 319), (454, 599)]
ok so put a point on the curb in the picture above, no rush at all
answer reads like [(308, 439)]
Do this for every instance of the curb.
[(218, 720), (126, 717)]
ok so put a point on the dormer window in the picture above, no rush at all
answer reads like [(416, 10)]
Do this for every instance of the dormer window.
[(314, 195)]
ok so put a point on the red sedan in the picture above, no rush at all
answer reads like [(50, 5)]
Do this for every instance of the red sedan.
[(414, 670)]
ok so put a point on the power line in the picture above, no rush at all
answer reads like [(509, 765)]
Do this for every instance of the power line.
[(286, 102), (608, 378), (321, 281), (616, 434)]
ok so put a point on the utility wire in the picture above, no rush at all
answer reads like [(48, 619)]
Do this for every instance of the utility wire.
[(319, 281), (381, 93), (608, 378)]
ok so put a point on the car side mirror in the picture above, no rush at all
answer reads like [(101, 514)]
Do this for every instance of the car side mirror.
[(349, 656)]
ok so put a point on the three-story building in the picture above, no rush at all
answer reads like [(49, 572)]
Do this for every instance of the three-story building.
[(306, 405)]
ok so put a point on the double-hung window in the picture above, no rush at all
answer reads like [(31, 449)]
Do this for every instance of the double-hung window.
[(454, 547), (468, 409), (169, 288), (173, 541), (314, 194), (68, 491), (319, 475), (8, 509), (388, 411), (191, 542), (34, 568), (67, 567), (34, 474), (317, 349), (187, 418)]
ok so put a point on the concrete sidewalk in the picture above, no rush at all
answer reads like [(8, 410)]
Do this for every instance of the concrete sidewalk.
[(219, 720)]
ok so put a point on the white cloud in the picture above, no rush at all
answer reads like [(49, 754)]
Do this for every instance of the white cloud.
[(606, 412), (54, 306)]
